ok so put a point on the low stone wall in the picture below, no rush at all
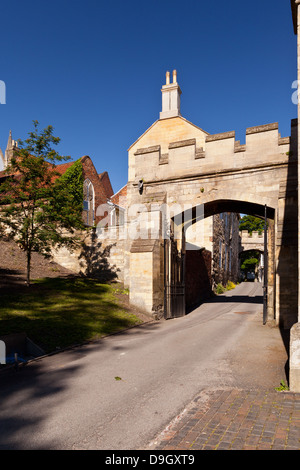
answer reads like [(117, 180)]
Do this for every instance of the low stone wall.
[(101, 256)]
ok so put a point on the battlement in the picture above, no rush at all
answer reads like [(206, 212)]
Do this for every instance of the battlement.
[(204, 153), (252, 241), (265, 136), (254, 235)]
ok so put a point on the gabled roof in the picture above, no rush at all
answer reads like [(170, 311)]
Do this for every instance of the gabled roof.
[(63, 167), (104, 178), (158, 120), (119, 198)]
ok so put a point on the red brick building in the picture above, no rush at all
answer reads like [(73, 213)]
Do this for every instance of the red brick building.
[(119, 204), (97, 189)]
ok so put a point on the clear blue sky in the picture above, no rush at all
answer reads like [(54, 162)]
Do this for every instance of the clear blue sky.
[(94, 69)]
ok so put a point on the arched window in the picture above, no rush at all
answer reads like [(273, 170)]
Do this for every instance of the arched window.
[(88, 203)]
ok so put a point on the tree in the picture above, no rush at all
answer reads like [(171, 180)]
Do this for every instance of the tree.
[(38, 209), (249, 260), (249, 264), (251, 223)]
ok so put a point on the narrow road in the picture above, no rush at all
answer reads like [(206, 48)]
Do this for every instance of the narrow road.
[(120, 392)]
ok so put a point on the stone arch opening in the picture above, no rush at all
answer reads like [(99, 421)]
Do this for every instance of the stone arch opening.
[(258, 269), (195, 265)]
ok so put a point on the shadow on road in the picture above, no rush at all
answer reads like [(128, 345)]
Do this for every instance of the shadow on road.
[(226, 299), (31, 394), (257, 299)]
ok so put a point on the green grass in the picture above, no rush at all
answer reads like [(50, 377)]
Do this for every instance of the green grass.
[(57, 313)]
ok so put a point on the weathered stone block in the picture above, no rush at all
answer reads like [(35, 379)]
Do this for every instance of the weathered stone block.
[(295, 358)]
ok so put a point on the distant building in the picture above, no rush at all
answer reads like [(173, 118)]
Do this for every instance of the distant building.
[(6, 157)]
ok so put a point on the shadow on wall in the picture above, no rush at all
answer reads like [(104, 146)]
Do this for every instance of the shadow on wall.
[(94, 260), (287, 239), (198, 282)]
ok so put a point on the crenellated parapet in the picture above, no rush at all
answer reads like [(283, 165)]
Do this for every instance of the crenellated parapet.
[(205, 153), (255, 235), (252, 241)]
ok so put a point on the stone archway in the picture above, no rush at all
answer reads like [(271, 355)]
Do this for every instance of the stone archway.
[(176, 163)]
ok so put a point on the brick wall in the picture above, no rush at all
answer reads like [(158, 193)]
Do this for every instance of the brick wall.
[(104, 178), (102, 186)]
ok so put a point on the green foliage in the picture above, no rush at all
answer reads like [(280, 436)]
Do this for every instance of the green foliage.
[(220, 289), (251, 223), (39, 144), (37, 207), (283, 387), (121, 291), (249, 260), (230, 285), (249, 264), (73, 179)]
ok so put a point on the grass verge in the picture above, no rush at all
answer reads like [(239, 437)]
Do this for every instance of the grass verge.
[(58, 313)]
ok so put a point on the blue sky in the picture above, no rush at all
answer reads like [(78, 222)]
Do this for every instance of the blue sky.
[(94, 69)]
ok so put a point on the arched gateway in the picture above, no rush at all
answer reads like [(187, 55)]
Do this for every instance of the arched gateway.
[(180, 174)]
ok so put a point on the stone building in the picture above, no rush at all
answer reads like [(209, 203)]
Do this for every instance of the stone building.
[(211, 252), (174, 164)]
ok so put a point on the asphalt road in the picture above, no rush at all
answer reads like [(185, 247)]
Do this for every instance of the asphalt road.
[(120, 392)]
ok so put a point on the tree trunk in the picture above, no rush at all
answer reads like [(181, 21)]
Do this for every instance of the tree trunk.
[(28, 267)]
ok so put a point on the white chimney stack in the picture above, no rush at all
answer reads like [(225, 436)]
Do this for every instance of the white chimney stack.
[(170, 97)]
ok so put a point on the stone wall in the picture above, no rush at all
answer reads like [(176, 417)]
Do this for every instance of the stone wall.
[(198, 281), (100, 255)]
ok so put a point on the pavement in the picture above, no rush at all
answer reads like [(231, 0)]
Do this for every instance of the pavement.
[(235, 419)]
